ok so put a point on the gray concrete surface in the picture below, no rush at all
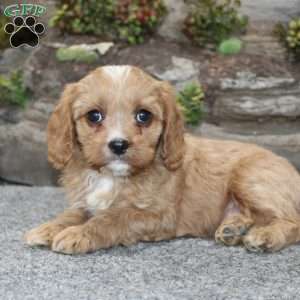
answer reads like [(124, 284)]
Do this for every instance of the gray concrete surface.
[(180, 269)]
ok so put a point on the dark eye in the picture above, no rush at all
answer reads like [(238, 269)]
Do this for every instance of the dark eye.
[(143, 116), (95, 116)]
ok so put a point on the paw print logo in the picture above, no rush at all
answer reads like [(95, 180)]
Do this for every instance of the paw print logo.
[(24, 32)]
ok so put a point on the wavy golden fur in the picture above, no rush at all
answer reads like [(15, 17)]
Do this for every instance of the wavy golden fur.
[(167, 183)]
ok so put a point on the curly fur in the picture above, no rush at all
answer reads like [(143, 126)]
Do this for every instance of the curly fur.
[(168, 184)]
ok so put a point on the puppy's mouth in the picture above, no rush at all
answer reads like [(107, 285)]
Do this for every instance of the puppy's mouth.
[(119, 167)]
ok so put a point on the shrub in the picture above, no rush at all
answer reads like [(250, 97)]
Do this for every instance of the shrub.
[(13, 90), (128, 20), (4, 37), (290, 36), (213, 21), (135, 19), (190, 100), (79, 16)]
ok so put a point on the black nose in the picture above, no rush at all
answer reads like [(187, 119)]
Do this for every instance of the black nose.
[(118, 146)]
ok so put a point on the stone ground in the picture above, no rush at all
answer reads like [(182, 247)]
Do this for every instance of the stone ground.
[(179, 269)]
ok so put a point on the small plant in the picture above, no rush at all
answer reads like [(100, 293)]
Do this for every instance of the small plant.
[(230, 46), (79, 16), (77, 54), (129, 20), (290, 36), (138, 18), (4, 37), (213, 21), (13, 90), (190, 100)]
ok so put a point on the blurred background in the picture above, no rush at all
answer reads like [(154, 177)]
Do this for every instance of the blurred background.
[(235, 66)]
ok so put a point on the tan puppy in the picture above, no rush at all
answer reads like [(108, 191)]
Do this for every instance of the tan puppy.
[(132, 174)]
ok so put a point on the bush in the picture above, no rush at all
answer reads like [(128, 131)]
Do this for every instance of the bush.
[(135, 19), (290, 36), (129, 20), (13, 90), (213, 21), (4, 37), (79, 16), (190, 100)]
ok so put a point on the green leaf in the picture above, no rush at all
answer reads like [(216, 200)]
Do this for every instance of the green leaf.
[(12, 89), (230, 46), (190, 100)]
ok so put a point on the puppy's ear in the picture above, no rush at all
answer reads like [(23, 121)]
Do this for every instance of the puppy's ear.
[(60, 131), (173, 134)]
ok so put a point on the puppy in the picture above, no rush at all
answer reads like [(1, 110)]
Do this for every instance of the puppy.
[(131, 173)]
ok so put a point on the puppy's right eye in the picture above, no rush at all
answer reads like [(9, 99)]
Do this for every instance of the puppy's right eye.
[(95, 116)]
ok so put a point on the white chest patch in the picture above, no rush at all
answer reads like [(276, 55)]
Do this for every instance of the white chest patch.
[(100, 193)]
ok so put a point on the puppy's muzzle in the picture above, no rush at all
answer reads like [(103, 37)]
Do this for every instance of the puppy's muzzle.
[(118, 146)]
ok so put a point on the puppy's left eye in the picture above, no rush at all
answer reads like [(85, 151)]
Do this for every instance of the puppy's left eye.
[(143, 116)]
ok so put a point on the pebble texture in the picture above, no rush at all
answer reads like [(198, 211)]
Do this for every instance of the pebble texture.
[(179, 269)]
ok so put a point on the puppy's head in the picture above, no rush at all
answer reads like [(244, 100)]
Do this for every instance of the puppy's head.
[(116, 117)]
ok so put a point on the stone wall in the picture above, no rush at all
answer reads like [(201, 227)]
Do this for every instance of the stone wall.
[(271, 10), (254, 96)]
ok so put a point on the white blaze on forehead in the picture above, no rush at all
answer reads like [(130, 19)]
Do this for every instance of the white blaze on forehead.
[(116, 132), (117, 73)]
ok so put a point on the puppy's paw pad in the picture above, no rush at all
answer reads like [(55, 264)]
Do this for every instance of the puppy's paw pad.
[(72, 240), (230, 234), (42, 235)]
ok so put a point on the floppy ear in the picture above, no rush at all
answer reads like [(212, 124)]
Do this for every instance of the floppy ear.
[(60, 131), (173, 134)]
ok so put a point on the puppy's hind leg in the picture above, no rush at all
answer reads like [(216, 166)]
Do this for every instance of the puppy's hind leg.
[(273, 237), (269, 187), (233, 227)]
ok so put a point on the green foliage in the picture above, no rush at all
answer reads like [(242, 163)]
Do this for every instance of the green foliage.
[(213, 21), (290, 36), (80, 16), (76, 54), (190, 100), (137, 18), (4, 37), (129, 20), (230, 46), (13, 90)]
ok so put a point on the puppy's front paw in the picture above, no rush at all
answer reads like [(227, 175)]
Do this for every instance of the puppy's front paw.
[(42, 235), (73, 240)]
